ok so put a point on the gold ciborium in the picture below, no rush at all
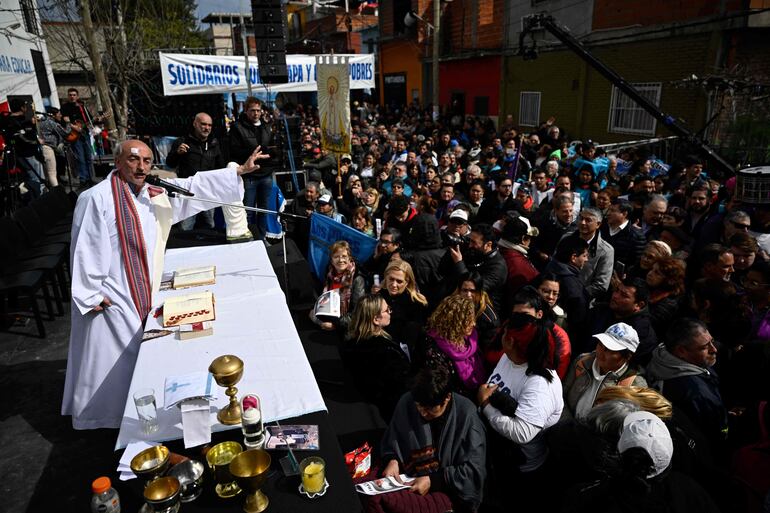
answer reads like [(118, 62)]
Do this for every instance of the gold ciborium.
[(227, 371), (219, 458), (162, 495), (250, 470), (151, 463)]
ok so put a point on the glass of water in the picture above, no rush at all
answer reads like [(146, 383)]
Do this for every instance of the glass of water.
[(144, 399)]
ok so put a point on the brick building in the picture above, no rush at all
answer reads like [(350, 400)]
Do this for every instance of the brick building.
[(652, 44)]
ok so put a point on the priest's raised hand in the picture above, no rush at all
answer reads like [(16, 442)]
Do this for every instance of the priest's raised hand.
[(251, 163)]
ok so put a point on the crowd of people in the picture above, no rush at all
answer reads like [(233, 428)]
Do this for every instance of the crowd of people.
[(52, 146), (542, 324)]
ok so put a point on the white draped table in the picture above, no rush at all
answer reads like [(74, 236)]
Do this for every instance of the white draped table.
[(252, 322)]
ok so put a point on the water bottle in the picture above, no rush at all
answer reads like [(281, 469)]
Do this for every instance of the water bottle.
[(105, 499)]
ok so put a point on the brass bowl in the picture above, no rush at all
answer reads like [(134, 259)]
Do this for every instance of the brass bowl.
[(218, 459), (151, 463), (250, 470), (163, 493), (227, 370)]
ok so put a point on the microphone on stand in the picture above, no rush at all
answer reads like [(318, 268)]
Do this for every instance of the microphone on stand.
[(170, 187)]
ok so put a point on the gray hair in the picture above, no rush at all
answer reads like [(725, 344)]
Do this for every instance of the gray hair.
[(607, 418), (656, 198), (315, 185), (562, 200), (593, 212), (737, 215)]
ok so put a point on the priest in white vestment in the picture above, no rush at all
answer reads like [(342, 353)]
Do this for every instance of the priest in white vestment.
[(123, 220)]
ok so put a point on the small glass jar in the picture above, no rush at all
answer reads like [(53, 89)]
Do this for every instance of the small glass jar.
[(251, 422)]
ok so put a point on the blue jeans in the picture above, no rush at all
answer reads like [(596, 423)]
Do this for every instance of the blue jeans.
[(82, 150), (208, 220), (32, 170), (257, 194)]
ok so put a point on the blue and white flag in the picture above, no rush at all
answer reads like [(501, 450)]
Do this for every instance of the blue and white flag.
[(324, 232), (276, 203)]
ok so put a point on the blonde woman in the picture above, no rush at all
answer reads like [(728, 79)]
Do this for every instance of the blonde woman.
[(371, 201), (452, 343), (379, 365), (341, 275), (409, 307), (648, 399)]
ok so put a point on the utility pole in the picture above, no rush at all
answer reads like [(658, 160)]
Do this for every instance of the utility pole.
[(436, 35), (96, 63)]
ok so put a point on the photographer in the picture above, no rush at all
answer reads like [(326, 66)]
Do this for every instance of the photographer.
[(482, 256), (19, 128)]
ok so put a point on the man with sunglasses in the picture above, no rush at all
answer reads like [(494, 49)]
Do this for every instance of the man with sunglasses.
[(682, 369)]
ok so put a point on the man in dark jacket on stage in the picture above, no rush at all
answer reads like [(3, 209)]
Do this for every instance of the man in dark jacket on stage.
[(198, 151), (250, 131)]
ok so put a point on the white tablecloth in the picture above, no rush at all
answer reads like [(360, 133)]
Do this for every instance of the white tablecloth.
[(252, 322)]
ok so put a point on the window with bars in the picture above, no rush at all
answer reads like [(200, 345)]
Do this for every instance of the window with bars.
[(28, 13), (529, 108), (626, 117)]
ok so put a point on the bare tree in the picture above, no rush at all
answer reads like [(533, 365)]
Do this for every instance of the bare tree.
[(119, 39)]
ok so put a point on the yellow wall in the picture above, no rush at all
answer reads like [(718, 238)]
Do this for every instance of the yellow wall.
[(401, 56)]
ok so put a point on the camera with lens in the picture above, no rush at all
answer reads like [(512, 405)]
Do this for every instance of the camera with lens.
[(458, 241)]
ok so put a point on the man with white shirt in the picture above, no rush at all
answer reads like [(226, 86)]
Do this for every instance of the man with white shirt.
[(627, 239), (400, 154), (119, 233), (540, 189)]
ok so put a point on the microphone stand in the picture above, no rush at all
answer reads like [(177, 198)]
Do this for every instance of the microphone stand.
[(281, 217)]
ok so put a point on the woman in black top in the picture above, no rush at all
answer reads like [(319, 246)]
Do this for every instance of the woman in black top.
[(380, 365)]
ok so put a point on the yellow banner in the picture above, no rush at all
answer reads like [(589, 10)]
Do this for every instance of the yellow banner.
[(334, 103)]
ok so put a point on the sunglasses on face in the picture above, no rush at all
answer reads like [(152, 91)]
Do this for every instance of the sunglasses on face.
[(518, 320)]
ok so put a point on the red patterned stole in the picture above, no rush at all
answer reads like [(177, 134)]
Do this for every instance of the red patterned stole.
[(132, 246)]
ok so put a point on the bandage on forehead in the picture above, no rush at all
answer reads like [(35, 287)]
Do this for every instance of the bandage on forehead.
[(134, 151)]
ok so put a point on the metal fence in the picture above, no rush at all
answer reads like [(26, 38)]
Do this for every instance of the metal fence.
[(664, 148)]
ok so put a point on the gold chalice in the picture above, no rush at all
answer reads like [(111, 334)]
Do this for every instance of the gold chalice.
[(219, 458), (250, 470), (227, 371), (151, 463), (162, 495)]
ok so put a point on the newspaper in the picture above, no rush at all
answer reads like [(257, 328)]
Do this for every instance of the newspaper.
[(328, 304), (384, 485)]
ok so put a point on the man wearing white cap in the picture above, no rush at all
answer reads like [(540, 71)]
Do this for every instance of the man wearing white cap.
[(644, 481), (457, 227), (608, 365)]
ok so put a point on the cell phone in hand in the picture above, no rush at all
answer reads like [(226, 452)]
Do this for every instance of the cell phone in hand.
[(620, 269)]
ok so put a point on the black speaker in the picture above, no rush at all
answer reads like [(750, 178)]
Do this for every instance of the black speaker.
[(269, 19)]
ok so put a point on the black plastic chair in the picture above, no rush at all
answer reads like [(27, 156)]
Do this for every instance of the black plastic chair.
[(16, 258), (26, 284)]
